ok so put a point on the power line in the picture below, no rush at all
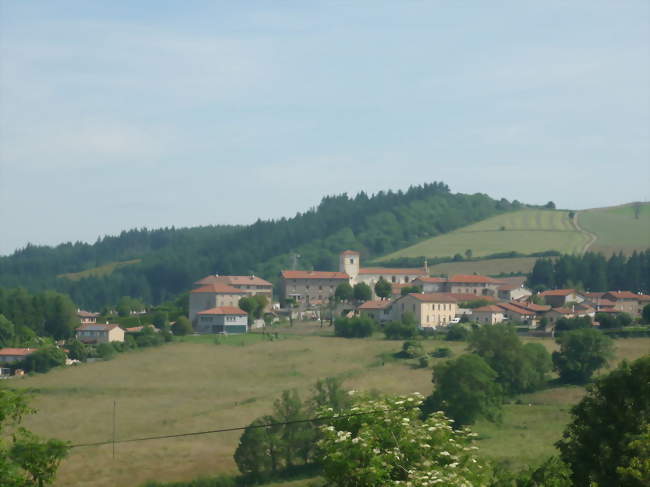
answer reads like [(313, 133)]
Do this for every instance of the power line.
[(225, 430)]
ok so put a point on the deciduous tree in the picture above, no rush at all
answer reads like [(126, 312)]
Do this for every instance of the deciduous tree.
[(582, 352)]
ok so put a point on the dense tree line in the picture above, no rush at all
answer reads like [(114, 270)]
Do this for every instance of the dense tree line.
[(171, 259), (593, 272)]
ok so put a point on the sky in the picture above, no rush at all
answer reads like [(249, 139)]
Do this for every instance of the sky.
[(122, 114)]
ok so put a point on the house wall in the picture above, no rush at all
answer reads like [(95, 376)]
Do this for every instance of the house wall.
[(478, 288), (115, 335), (427, 315), (627, 306), (379, 315), (307, 290), (487, 317), (222, 324), (203, 301)]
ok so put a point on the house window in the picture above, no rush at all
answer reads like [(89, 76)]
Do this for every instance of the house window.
[(392, 279), (406, 279), (320, 288), (351, 261)]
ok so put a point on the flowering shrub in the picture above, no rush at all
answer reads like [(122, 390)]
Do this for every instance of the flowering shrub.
[(392, 446)]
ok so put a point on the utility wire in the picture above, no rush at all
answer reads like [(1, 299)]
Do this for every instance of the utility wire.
[(238, 428)]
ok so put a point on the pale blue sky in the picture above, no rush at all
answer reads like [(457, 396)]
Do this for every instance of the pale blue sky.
[(122, 114)]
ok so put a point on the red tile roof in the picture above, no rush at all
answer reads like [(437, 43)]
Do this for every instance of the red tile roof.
[(622, 295), (314, 275), (233, 281), (431, 279), (218, 288), (558, 292), (564, 311), (434, 297), (86, 314), (377, 304), (98, 326), (508, 287), (470, 278), (491, 308), (533, 306), (515, 309), (223, 310), (644, 297), (16, 351), (394, 271), (350, 252)]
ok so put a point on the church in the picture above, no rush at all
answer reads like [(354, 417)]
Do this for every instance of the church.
[(316, 287)]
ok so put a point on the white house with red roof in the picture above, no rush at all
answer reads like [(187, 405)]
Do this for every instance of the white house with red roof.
[(11, 355), (251, 284), (379, 310), (213, 296), (222, 319)]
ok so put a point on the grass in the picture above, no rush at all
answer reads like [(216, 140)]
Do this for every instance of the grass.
[(195, 386), (488, 267), (617, 229), (103, 270), (525, 231)]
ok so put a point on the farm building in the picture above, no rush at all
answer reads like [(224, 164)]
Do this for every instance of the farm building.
[(222, 319)]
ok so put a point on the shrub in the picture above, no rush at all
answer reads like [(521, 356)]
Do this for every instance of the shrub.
[(441, 352), (412, 349), (456, 333), (105, 351), (582, 352), (357, 327), (43, 360)]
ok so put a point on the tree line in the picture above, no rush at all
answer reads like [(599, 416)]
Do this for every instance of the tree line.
[(171, 259), (593, 272)]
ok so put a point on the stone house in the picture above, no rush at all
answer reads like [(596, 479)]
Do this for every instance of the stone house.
[(252, 284), (473, 284), (213, 296), (624, 301), (560, 297), (517, 314), (379, 310), (489, 315), (431, 310), (311, 287), (94, 333), (431, 284), (222, 319)]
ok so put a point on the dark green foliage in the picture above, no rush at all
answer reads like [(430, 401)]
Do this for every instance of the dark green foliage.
[(362, 292), (383, 288), (412, 349), (404, 329), (25, 459), (519, 368), (457, 333), (613, 320), (160, 319), (551, 473), (645, 314), (105, 351), (47, 314), (566, 324), (550, 205), (442, 352), (594, 272), (76, 350), (356, 327), (582, 352), (465, 389), (476, 303), (410, 289), (182, 326), (172, 259), (599, 439), (7, 332), (43, 360), (344, 292)]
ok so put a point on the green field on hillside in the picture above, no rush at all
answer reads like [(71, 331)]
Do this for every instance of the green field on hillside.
[(103, 270), (186, 387), (524, 231), (487, 267), (617, 228)]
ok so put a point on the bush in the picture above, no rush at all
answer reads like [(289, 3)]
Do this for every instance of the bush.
[(457, 333), (182, 326), (412, 349), (105, 351), (357, 327), (441, 352), (613, 320), (582, 352), (43, 360)]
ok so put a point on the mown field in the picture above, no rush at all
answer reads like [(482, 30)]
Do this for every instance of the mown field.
[(617, 228), (525, 231), (199, 385), (487, 267)]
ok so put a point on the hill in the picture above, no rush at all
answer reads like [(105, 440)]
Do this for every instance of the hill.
[(525, 231), (171, 259), (624, 228)]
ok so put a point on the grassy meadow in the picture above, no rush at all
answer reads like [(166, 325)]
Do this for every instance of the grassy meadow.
[(524, 231), (487, 267), (198, 385), (617, 229)]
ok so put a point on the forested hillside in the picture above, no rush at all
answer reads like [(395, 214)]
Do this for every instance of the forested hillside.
[(172, 259)]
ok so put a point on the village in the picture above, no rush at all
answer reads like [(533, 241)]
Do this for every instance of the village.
[(388, 294)]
